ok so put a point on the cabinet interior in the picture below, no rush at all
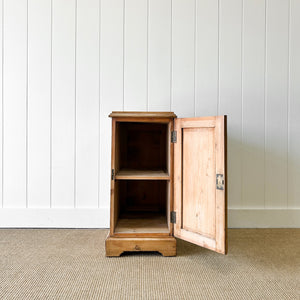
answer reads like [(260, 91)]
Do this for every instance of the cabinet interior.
[(142, 185), (141, 146)]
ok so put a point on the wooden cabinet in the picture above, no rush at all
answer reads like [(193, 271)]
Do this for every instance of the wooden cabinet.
[(168, 179)]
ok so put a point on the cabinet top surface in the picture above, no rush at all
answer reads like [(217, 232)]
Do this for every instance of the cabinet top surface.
[(142, 114)]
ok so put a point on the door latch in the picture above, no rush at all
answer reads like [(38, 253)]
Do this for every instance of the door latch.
[(220, 182)]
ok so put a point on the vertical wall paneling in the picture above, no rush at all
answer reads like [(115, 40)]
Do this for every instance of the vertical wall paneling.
[(135, 55), (65, 65), (1, 101), (183, 57), (111, 85), (87, 103), (294, 107), (63, 103), (276, 103), (230, 92), (253, 113), (207, 56), (159, 55), (15, 103), (39, 102)]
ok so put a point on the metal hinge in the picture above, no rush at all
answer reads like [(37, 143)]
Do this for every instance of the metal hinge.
[(220, 182), (173, 217), (112, 174), (174, 137)]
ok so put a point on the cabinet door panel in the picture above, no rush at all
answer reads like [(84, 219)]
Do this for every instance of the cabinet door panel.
[(199, 205)]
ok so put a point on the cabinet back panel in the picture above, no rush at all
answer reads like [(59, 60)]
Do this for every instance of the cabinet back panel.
[(142, 196), (142, 146)]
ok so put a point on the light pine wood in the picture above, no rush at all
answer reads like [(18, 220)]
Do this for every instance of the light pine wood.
[(170, 183), (142, 199), (149, 224), (142, 196), (200, 208), (133, 195), (116, 246), (142, 174), (198, 188), (221, 195), (114, 202), (142, 114), (141, 146), (144, 119)]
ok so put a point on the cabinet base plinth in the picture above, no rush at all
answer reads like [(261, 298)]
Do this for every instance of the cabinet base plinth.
[(115, 246)]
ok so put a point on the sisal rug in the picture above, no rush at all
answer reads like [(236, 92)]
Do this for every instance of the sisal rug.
[(71, 264)]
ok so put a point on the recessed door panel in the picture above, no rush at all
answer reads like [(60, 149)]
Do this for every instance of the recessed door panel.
[(200, 182), (198, 186)]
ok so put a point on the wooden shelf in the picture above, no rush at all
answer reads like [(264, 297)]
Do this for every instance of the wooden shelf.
[(142, 225), (129, 174)]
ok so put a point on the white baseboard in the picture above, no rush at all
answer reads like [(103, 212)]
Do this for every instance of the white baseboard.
[(264, 218), (54, 218), (99, 218)]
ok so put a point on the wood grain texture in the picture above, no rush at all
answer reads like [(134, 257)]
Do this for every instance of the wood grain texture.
[(221, 195), (142, 174), (142, 145), (198, 187), (114, 192), (142, 196), (170, 184), (141, 114), (116, 246), (151, 225), (200, 210)]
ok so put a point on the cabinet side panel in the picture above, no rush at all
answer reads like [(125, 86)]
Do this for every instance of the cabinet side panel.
[(170, 186), (113, 209)]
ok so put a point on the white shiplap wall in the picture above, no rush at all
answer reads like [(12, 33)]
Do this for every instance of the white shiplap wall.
[(65, 65)]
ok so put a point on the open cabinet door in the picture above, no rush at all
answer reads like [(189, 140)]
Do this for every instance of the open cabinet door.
[(200, 182)]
